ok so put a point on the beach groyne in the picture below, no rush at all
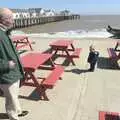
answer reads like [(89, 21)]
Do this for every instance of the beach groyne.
[(25, 22)]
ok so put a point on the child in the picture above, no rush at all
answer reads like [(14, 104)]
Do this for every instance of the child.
[(92, 58)]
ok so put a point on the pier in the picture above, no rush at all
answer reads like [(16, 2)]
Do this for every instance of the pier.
[(25, 22)]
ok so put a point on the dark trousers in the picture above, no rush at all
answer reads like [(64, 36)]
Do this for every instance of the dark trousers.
[(92, 66)]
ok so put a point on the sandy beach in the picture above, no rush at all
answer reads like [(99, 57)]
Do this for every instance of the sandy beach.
[(79, 95)]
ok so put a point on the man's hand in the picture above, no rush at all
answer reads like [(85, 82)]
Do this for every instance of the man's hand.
[(12, 64)]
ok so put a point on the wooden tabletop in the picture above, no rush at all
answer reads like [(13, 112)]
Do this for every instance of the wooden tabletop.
[(18, 37), (34, 60), (62, 43)]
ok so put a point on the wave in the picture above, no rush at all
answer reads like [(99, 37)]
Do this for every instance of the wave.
[(98, 33)]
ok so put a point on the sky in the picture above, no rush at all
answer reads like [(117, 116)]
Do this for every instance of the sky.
[(75, 6)]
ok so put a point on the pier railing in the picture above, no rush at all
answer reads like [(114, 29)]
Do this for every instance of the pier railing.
[(25, 22)]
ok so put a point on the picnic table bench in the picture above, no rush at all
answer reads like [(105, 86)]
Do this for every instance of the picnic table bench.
[(112, 53), (114, 57), (41, 84), (109, 115), (21, 41), (66, 46)]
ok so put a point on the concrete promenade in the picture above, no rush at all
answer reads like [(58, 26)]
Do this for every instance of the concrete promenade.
[(80, 95)]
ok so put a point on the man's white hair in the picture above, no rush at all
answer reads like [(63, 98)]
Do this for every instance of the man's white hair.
[(92, 47), (2, 12)]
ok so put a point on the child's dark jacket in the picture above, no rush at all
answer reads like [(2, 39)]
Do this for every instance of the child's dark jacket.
[(93, 56)]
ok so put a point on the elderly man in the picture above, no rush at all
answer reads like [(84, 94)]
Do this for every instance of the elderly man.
[(11, 71)]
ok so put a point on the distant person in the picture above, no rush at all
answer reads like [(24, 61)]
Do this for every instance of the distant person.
[(92, 58), (11, 71)]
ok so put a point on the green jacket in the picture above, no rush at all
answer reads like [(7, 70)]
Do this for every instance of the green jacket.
[(7, 53)]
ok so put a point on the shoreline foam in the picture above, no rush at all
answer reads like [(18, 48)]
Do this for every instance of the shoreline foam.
[(102, 33)]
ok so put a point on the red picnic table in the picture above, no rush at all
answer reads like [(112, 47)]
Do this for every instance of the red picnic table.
[(33, 61), (105, 115), (66, 46), (21, 41), (117, 45)]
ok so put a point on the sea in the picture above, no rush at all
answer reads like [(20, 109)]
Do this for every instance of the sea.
[(86, 26)]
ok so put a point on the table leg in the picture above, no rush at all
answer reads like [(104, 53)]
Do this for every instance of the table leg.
[(52, 63), (116, 46), (29, 43), (41, 90), (72, 47), (69, 57), (55, 52), (16, 43)]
